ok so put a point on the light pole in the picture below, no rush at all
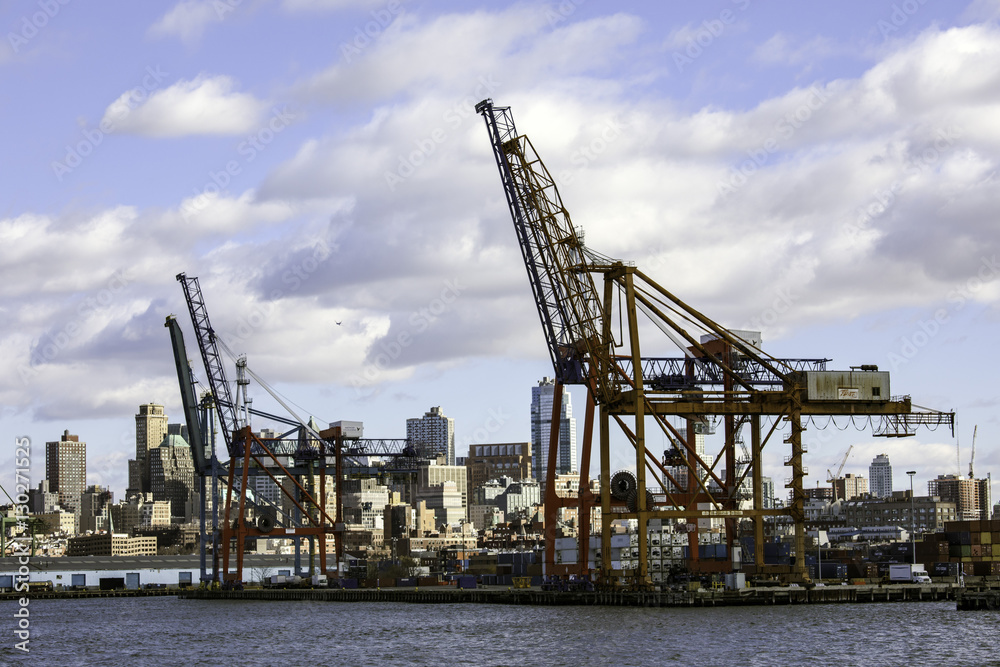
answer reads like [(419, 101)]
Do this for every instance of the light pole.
[(913, 519)]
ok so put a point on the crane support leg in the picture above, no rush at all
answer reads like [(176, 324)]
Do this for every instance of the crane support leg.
[(758, 493), (586, 498), (551, 500)]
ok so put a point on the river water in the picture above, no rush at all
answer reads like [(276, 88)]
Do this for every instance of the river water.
[(169, 631)]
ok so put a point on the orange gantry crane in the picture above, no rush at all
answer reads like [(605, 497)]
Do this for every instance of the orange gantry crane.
[(593, 338)]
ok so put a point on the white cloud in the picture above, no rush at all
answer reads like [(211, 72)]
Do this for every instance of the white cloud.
[(454, 51), (783, 50), (204, 105), (982, 10), (189, 18), (644, 180)]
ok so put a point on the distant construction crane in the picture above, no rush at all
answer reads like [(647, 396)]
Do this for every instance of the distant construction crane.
[(593, 339), (831, 478), (972, 458)]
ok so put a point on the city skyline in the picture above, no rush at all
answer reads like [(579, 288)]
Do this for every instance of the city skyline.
[(820, 173), (175, 430)]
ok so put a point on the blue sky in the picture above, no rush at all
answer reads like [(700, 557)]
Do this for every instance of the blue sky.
[(825, 172)]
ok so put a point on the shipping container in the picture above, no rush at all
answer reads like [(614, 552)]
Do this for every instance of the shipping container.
[(565, 543), (986, 569), (833, 570)]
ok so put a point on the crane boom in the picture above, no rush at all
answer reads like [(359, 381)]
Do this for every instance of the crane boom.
[(188, 396), (212, 360), (568, 302), (972, 458), (834, 478)]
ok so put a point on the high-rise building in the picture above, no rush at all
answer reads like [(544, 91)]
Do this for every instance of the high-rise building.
[(486, 462), (930, 512), (94, 508), (442, 487), (266, 489), (171, 474), (435, 432), (369, 499), (971, 496), (880, 476), (850, 486), (150, 429), (675, 457), (66, 469), (541, 427), (767, 491)]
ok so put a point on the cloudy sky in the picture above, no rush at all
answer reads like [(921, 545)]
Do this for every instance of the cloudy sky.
[(824, 172)]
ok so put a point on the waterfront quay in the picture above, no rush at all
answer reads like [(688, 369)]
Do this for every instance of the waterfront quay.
[(88, 594), (701, 598), (973, 599)]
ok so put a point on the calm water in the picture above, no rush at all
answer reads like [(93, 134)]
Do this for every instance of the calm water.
[(168, 631)]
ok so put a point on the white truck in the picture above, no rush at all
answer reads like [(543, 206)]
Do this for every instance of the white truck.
[(904, 573)]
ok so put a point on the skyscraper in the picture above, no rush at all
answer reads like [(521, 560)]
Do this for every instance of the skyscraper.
[(435, 432), (767, 493), (171, 475), (850, 486), (541, 427), (66, 469), (971, 496), (150, 429), (880, 476)]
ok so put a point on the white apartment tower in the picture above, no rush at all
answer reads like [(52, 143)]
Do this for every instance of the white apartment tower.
[(541, 428), (435, 432), (880, 476)]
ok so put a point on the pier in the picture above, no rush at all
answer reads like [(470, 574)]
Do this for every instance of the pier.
[(969, 599), (621, 598)]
